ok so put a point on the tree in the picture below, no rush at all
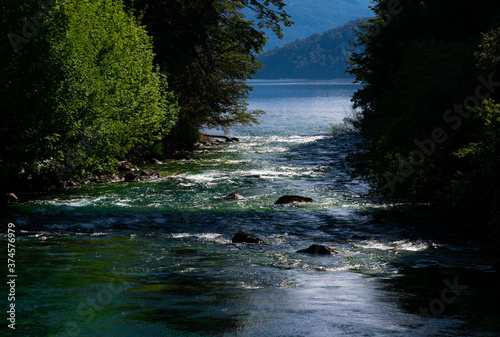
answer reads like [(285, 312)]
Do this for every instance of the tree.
[(419, 107), (79, 93), (208, 50)]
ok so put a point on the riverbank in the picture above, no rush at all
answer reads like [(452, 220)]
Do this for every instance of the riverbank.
[(32, 187)]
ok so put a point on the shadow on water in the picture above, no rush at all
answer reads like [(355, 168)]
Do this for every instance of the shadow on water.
[(187, 303), (446, 269)]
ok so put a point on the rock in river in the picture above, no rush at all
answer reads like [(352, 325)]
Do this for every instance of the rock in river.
[(242, 237), (131, 177), (234, 196), (127, 166), (150, 174), (288, 199), (318, 250)]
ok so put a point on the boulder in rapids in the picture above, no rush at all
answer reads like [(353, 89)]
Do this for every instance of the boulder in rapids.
[(131, 177), (289, 199), (234, 196), (242, 237), (150, 174), (318, 250)]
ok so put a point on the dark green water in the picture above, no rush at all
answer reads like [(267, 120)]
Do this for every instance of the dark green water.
[(156, 258)]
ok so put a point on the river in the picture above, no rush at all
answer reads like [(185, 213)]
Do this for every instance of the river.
[(156, 259)]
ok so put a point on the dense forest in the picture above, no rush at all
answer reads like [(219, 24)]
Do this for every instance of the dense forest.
[(84, 84), (320, 56), (429, 105), (318, 16)]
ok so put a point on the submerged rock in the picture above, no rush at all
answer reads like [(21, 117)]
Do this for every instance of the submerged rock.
[(150, 174), (318, 250), (127, 166), (132, 177), (242, 237), (234, 196), (289, 199), (101, 178), (70, 183)]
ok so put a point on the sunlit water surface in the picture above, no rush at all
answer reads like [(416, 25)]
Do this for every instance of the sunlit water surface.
[(156, 258)]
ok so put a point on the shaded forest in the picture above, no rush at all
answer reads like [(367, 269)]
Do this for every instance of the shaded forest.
[(428, 108), (320, 56)]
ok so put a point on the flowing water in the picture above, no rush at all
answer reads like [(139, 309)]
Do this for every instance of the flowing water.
[(156, 259)]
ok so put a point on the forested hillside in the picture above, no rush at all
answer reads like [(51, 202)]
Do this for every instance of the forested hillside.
[(320, 56), (430, 112), (318, 16)]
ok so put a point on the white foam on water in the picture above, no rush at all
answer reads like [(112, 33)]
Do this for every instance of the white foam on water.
[(125, 202), (227, 161), (376, 245), (271, 174), (68, 206), (404, 245), (213, 237), (205, 177), (273, 142), (411, 246), (249, 286), (99, 234)]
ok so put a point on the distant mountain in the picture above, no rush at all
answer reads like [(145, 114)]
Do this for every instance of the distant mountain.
[(317, 16), (320, 56)]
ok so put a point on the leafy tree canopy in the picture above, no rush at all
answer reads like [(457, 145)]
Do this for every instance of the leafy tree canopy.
[(79, 88), (428, 69), (208, 49)]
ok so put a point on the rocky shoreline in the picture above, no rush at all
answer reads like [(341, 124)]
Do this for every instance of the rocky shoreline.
[(128, 170)]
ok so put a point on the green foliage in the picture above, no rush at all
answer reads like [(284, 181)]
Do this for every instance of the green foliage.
[(208, 50), (342, 129), (82, 92), (418, 68), (318, 56), (480, 187), (488, 56)]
